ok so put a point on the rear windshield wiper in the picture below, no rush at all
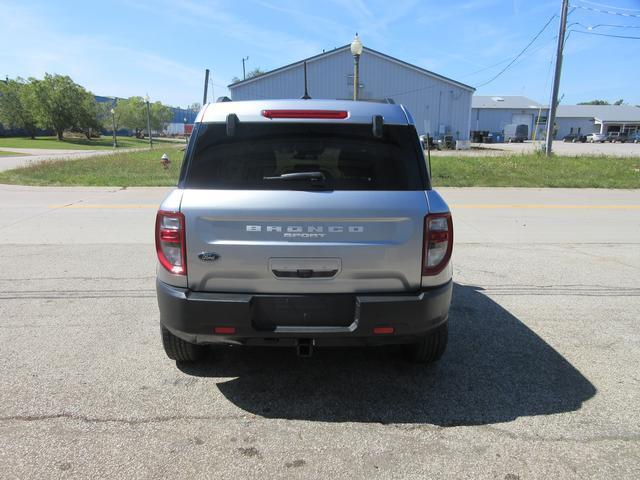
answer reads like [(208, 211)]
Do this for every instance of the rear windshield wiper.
[(313, 176)]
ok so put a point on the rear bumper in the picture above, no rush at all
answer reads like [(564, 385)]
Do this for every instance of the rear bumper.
[(193, 316)]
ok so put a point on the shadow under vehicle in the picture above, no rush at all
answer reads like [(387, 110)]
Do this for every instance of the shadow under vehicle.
[(495, 370)]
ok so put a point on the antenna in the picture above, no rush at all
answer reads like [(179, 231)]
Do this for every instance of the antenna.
[(306, 93)]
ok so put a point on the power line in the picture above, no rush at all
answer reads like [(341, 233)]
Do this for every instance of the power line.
[(605, 34), (608, 12), (610, 6), (519, 54), (607, 25), (531, 52)]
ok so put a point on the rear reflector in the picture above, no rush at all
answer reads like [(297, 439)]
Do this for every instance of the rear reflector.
[(326, 114), (224, 330), (383, 330)]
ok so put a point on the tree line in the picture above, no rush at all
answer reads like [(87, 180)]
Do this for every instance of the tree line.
[(59, 104)]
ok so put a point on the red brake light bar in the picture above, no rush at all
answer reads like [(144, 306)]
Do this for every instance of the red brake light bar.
[(325, 114)]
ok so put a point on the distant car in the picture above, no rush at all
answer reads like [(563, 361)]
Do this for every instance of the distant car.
[(634, 138), (575, 138), (614, 137), (596, 137), (516, 133)]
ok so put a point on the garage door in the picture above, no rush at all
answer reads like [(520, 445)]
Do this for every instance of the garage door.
[(523, 119)]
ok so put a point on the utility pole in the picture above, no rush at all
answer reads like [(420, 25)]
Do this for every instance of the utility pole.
[(244, 74), (551, 120), (206, 86)]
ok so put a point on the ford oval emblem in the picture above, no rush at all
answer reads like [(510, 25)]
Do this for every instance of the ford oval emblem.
[(208, 256)]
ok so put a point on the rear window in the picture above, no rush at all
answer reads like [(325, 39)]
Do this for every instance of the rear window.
[(263, 156)]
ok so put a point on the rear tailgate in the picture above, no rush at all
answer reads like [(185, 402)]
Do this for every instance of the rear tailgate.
[(285, 241)]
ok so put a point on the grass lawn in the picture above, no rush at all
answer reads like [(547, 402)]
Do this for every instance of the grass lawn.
[(142, 168), (9, 154), (536, 171), (124, 169), (102, 143)]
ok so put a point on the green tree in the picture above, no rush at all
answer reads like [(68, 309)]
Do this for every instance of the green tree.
[(132, 114), (90, 117), (594, 102), (194, 107), (16, 105), (160, 115), (256, 72), (619, 102), (60, 104)]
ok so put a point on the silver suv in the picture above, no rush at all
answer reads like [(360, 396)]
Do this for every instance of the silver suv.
[(304, 223)]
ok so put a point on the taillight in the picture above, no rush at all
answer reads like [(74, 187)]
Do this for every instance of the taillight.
[(170, 242), (325, 114), (438, 242)]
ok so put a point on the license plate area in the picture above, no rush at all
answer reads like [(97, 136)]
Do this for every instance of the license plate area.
[(271, 312)]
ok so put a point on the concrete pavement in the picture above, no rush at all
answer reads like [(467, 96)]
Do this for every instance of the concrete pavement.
[(540, 379)]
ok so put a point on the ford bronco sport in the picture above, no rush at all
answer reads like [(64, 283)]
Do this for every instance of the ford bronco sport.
[(304, 223)]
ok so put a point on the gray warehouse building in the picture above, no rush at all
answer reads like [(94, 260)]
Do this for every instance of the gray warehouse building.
[(438, 104), (492, 113), (586, 119)]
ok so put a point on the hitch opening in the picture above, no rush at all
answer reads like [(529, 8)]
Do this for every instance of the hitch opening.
[(305, 347)]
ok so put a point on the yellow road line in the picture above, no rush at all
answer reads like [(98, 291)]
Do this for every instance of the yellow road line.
[(546, 206), (106, 205), (487, 206)]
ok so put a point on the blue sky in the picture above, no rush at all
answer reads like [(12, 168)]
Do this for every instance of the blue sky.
[(125, 48)]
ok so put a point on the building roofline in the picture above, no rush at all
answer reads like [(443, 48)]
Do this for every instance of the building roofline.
[(344, 47)]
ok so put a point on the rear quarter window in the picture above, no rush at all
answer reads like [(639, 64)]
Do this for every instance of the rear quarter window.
[(348, 156)]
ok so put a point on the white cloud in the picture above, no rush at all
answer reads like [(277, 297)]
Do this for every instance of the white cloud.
[(94, 61)]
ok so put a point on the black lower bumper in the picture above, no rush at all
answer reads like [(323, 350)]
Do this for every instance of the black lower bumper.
[(193, 316)]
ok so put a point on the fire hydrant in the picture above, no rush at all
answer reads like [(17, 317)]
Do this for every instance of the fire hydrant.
[(165, 161)]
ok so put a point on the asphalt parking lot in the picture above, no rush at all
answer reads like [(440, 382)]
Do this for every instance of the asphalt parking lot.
[(540, 379)]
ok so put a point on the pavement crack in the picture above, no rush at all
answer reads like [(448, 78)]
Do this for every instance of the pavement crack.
[(125, 421), (536, 438)]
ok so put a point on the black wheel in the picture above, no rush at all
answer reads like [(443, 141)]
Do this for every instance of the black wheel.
[(180, 350), (430, 348)]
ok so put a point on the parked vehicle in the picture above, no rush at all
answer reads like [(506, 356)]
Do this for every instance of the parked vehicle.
[(427, 138), (516, 133), (446, 142), (304, 223), (596, 137), (614, 137), (635, 137), (575, 138)]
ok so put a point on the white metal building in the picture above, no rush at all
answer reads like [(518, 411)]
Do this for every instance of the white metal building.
[(438, 104), (586, 119), (492, 113)]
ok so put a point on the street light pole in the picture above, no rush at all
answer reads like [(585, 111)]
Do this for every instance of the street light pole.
[(244, 74), (184, 130), (146, 99), (113, 122), (356, 51)]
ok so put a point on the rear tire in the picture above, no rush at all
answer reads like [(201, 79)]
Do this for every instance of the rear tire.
[(180, 350), (431, 348)]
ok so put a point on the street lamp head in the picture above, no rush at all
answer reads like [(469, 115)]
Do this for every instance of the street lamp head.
[(146, 98), (356, 46)]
